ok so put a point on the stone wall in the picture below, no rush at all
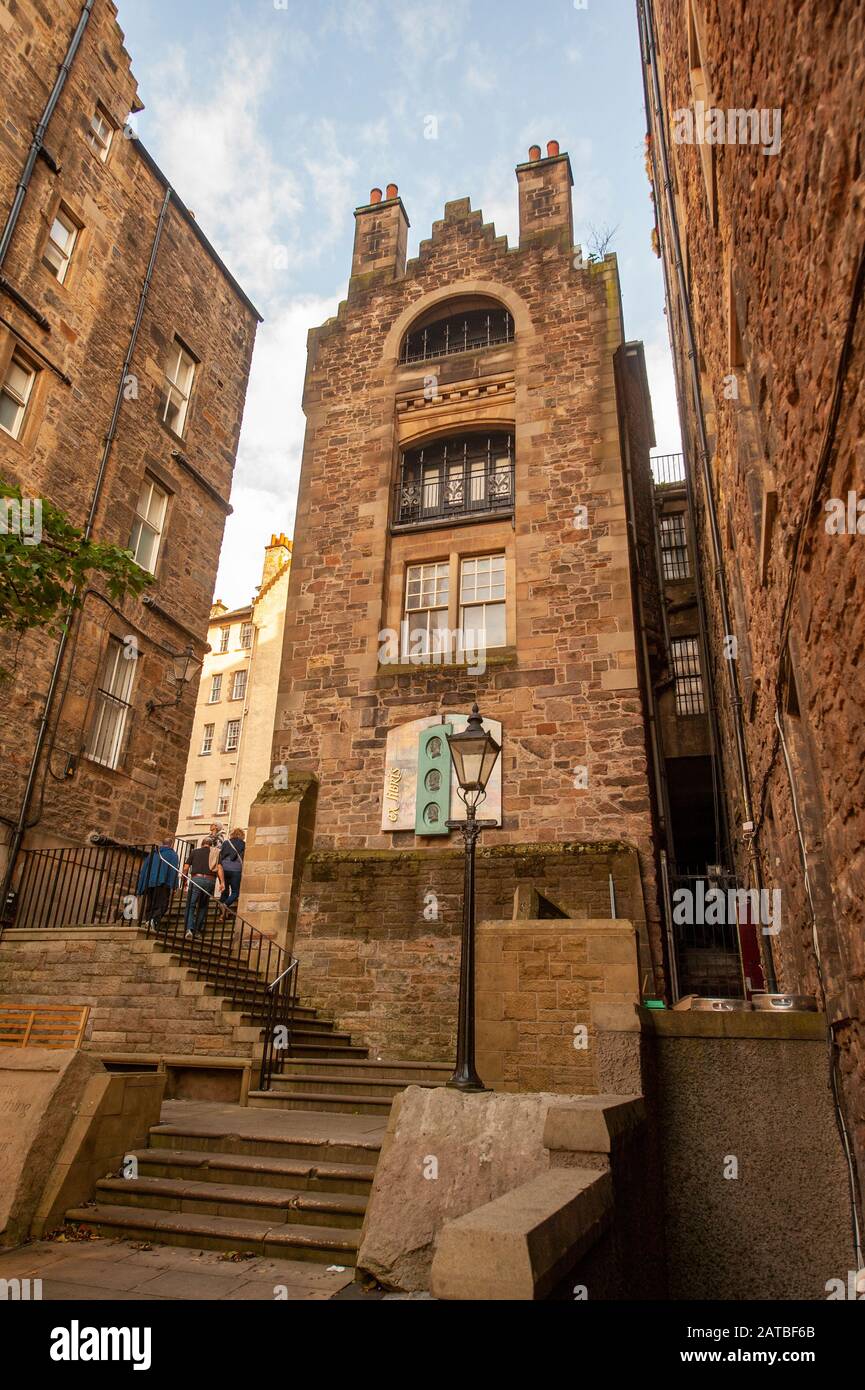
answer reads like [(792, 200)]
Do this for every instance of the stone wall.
[(140, 1002), (373, 956), (541, 986), (771, 245), (76, 335)]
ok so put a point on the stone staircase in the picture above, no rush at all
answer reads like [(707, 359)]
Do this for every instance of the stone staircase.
[(286, 1176)]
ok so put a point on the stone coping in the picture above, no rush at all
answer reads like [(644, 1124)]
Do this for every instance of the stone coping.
[(65, 933), (676, 1023), (165, 1059), (520, 850), (610, 926)]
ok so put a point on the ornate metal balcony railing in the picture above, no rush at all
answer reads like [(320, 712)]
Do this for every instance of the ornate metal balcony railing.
[(472, 330), (463, 477)]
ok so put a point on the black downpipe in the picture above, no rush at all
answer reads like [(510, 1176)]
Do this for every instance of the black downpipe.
[(39, 136)]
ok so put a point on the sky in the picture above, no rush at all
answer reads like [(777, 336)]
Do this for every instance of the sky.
[(274, 118)]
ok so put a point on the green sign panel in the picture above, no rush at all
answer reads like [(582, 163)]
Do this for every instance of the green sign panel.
[(432, 806)]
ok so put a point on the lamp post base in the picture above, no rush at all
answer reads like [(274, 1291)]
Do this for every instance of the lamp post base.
[(467, 1084)]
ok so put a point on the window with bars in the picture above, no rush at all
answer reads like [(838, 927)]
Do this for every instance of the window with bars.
[(461, 476), (148, 525), (107, 735), (426, 608), (15, 393), (686, 672), (674, 547), (232, 735), (179, 375), (224, 796), (215, 690), (238, 685), (207, 739), (460, 332), (246, 635), (482, 602), (57, 254)]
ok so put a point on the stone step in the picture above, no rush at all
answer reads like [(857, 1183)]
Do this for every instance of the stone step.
[(309, 1146), (253, 1170), (326, 1244), (327, 1102), (302, 1050), (405, 1072), (346, 1084), (276, 1204)]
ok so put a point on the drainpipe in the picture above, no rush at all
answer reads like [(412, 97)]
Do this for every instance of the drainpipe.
[(647, 34), (21, 824), (39, 136)]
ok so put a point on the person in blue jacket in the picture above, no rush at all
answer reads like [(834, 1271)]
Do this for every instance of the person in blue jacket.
[(231, 855), (157, 881)]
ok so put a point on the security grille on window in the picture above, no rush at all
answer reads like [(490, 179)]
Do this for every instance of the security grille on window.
[(112, 706), (60, 244), (462, 332), (246, 635), (224, 634), (238, 685), (207, 739), (686, 670), (99, 133), (482, 602), (15, 394), (674, 547), (215, 690), (224, 796), (426, 609), (455, 477), (198, 798), (149, 521), (179, 374), (232, 735)]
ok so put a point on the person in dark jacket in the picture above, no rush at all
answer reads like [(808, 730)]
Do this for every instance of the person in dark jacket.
[(204, 871), (231, 855), (157, 881)]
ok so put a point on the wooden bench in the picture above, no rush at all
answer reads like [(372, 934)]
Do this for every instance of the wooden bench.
[(43, 1025)]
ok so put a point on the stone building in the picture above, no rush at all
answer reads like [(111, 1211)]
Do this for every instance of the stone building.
[(125, 347), (473, 419), (232, 734), (755, 160)]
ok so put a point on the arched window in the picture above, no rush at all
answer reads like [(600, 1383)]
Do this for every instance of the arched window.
[(469, 325), (463, 475)]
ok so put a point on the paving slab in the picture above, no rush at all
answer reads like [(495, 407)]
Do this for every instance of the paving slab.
[(104, 1269)]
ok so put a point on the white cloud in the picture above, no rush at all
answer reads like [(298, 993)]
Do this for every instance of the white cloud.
[(268, 461)]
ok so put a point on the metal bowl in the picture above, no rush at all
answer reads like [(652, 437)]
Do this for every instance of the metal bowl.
[(784, 1003), (717, 1005)]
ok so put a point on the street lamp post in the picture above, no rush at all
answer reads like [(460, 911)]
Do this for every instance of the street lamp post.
[(185, 665), (474, 753)]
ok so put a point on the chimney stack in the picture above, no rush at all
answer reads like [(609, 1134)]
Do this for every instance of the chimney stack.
[(546, 214), (380, 240)]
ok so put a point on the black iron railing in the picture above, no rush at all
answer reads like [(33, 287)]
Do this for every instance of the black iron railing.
[(467, 332), (97, 885), (668, 468), (471, 476)]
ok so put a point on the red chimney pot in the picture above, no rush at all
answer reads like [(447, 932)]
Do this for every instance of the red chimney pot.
[(392, 190), (534, 152), (552, 149), (375, 195)]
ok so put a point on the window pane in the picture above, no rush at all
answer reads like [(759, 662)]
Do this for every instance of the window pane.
[(495, 625), (19, 379)]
